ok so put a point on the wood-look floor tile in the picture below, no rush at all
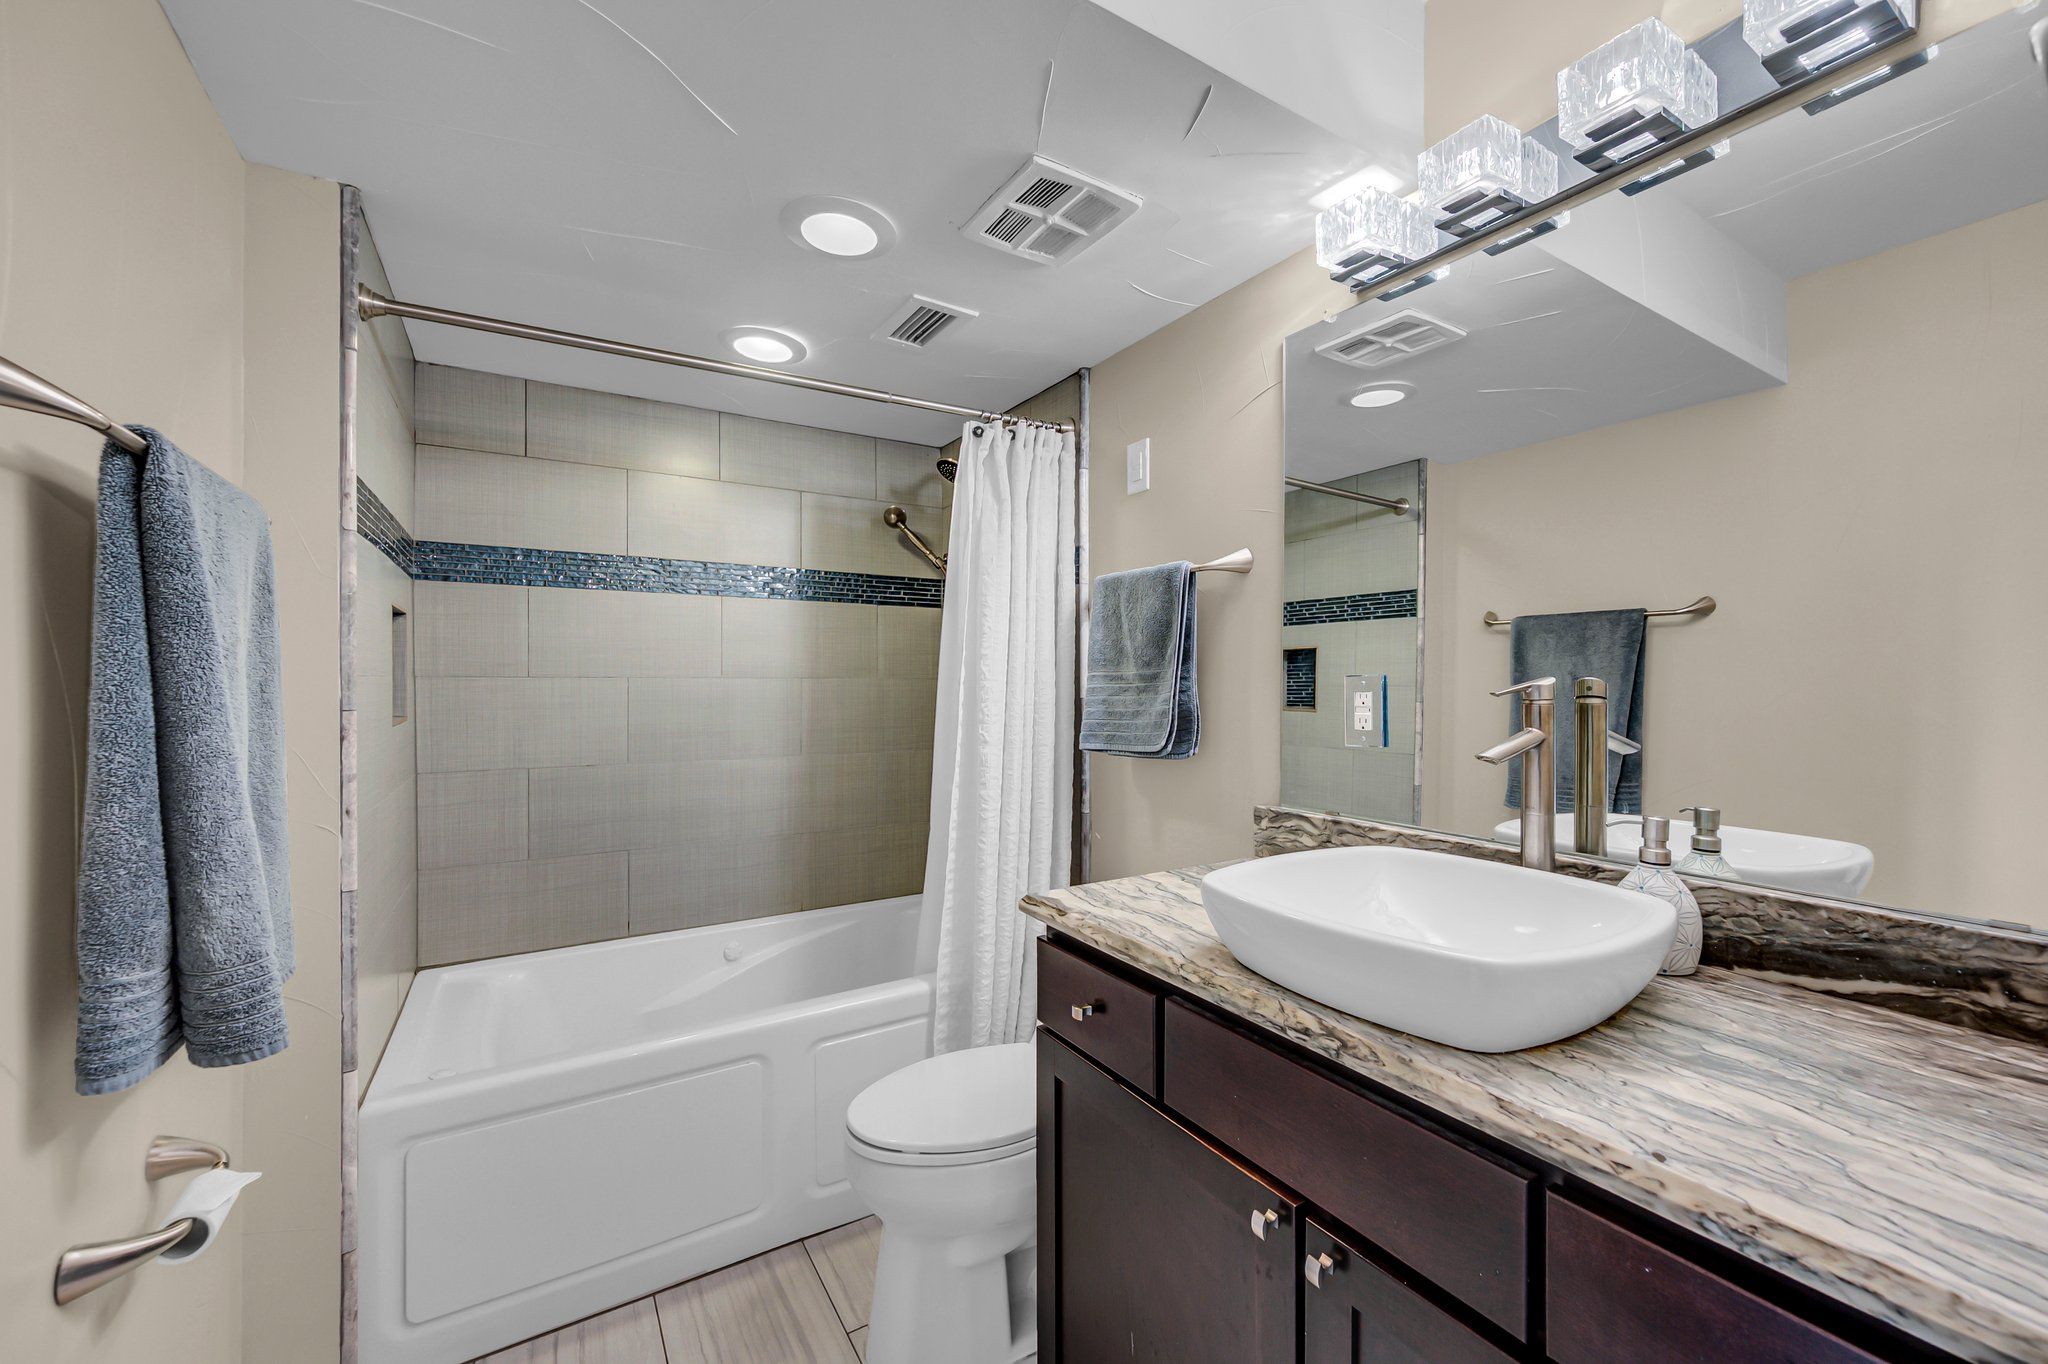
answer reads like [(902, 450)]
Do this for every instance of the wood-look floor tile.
[(624, 1335), (845, 1257), (771, 1309), (860, 1344)]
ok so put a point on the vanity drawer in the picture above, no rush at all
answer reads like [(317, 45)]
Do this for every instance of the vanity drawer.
[(1103, 1015), (1614, 1298), (1455, 1214)]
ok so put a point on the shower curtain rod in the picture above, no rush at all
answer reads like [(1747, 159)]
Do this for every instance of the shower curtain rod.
[(370, 303)]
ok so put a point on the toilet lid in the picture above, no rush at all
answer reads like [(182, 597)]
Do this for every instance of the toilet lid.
[(962, 1101)]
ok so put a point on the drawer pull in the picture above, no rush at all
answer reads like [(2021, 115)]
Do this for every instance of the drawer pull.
[(1263, 1218), (1315, 1267), (1083, 1012)]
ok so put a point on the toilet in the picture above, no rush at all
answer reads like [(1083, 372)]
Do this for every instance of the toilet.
[(944, 1152)]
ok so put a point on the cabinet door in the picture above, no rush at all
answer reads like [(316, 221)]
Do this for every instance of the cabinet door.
[(1154, 1247), (1354, 1312)]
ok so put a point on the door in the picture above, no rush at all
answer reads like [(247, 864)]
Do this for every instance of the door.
[(1154, 1247), (1354, 1312)]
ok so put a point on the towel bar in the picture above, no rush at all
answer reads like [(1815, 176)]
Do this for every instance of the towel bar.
[(1703, 607), (1240, 562), (32, 393)]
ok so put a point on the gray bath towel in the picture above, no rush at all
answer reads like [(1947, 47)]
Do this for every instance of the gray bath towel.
[(184, 893), (1139, 699), (1603, 644)]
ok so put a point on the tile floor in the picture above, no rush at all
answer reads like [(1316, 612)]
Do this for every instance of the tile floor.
[(805, 1303)]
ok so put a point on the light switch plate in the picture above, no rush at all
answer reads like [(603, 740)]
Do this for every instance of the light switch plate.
[(1138, 466)]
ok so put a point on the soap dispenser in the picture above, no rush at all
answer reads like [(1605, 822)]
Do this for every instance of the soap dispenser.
[(1705, 858), (1653, 876)]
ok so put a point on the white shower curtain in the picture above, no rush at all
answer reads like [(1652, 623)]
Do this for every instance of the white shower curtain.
[(1003, 750)]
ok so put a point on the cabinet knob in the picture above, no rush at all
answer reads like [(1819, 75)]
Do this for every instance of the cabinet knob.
[(1315, 1267), (1263, 1218), (1083, 1012)]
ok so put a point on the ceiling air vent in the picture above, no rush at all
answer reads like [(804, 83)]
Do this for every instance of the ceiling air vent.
[(1049, 214), (919, 320), (1390, 339)]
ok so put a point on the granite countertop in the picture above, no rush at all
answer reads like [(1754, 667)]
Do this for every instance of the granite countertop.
[(1896, 1163)]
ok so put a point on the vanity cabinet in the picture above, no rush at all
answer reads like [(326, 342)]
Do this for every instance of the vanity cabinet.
[(1210, 1195)]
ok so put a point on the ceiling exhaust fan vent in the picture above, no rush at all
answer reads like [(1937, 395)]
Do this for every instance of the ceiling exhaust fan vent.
[(919, 320), (1390, 339), (1049, 213)]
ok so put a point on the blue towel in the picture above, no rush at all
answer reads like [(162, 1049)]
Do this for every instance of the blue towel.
[(184, 889), (1139, 698), (1603, 644)]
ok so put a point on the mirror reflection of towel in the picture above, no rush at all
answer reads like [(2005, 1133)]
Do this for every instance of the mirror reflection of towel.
[(1603, 644), (1139, 699)]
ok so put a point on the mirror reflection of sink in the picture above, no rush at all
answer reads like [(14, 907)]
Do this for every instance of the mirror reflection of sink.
[(1764, 857), (1469, 953)]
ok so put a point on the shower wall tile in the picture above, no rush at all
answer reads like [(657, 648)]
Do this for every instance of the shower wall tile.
[(580, 633), (696, 518), (491, 499), (848, 534), (910, 641), (470, 912), (686, 718), (712, 881), (651, 805), (866, 716), (909, 474), (587, 427), (469, 410), (801, 639), (472, 818), (470, 630), (472, 723), (780, 455), (849, 866)]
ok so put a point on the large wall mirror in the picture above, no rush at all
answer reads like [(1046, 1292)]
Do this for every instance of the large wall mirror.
[(1807, 380)]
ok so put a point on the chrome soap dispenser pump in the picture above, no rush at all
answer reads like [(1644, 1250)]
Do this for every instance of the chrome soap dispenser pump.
[(1705, 858), (1653, 876)]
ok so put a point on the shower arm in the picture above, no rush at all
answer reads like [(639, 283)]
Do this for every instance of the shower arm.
[(894, 517)]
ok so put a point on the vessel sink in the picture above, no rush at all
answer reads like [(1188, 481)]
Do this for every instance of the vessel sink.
[(1763, 857), (1473, 954)]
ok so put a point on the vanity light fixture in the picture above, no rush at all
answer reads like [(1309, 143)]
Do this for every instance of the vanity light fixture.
[(1484, 172), (1798, 38), (845, 228), (1374, 176), (1633, 92), (1372, 234), (1849, 90), (1379, 395), (765, 345)]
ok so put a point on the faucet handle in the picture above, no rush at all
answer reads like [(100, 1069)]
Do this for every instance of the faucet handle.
[(1620, 743), (1535, 689)]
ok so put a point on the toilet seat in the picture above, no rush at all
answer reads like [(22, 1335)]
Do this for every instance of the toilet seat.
[(960, 1108)]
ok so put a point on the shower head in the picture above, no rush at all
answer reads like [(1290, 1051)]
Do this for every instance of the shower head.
[(948, 468)]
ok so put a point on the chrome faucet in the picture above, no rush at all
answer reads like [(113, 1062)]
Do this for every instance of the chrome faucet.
[(1535, 743), (1589, 773)]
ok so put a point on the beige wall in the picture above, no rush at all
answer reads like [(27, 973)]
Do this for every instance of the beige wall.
[(124, 215), (1874, 547)]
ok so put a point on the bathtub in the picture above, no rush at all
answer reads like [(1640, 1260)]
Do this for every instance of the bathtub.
[(553, 1134)]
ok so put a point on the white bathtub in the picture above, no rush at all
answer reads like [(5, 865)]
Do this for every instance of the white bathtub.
[(553, 1134)]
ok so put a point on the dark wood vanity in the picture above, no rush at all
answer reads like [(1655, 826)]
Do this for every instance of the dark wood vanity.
[(1210, 1192)]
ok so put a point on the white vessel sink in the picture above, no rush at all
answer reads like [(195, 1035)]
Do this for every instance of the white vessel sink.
[(1764, 857), (1478, 955)]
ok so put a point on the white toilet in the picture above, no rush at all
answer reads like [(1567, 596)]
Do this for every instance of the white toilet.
[(945, 1153)]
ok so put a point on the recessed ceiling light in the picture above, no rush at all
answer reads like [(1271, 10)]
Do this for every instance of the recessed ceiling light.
[(1377, 397), (765, 345), (1371, 177), (839, 227)]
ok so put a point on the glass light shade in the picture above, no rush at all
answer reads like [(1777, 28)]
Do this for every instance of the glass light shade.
[(1770, 26), (1643, 71), (1486, 157), (1374, 222)]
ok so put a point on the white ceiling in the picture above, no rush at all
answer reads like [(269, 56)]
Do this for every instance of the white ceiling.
[(616, 167)]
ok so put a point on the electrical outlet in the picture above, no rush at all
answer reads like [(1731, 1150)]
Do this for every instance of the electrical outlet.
[(1138, 466)]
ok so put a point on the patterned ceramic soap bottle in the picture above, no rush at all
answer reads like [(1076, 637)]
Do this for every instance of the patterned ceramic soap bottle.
[(1705, 858), (1653, 876)]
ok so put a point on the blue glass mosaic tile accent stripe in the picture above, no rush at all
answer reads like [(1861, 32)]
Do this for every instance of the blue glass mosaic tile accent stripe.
[(441, 561), (1301, 678), (1363, 606), (375, 523)]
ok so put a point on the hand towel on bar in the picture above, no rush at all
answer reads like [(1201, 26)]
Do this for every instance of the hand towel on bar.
[(1603, 644), (184, 896), (1139, 699)]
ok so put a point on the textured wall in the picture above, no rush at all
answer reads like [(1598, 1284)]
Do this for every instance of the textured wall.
[(597, 761)]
